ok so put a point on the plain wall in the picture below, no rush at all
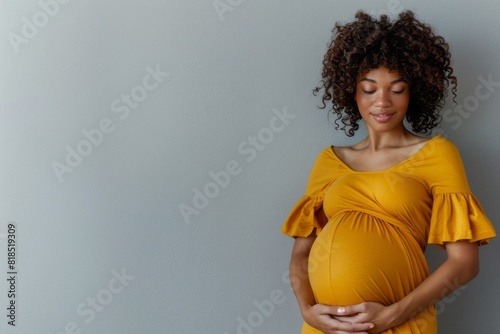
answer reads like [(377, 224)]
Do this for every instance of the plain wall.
[(102, 242)]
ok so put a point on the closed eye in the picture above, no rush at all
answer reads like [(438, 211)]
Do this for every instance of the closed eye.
[(368, 91), (398, 91)]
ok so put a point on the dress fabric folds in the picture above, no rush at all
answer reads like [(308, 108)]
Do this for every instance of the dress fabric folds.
[(379, 224)]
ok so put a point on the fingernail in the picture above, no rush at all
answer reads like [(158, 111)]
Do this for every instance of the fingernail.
[(341, 310), (372, 326)]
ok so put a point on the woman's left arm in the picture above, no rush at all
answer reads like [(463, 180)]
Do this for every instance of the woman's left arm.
[(460, 267)]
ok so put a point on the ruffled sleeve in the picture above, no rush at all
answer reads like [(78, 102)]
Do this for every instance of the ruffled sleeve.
[(459, 216), (302, 221), (456, 212)]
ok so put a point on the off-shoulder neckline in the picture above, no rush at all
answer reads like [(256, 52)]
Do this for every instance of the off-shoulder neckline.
[(411, 157)]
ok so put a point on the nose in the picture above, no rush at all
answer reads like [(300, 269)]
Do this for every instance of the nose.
[(383, 99)]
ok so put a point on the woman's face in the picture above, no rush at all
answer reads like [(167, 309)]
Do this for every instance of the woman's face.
[(382, 99)]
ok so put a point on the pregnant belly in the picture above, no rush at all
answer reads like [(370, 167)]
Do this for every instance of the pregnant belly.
[(358, 257)]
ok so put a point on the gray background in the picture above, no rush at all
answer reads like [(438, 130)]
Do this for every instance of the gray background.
[(118, 209)]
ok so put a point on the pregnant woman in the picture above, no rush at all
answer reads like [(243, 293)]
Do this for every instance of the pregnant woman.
[(369, 210)]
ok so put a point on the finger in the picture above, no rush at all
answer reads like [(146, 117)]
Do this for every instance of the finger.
[(349, 319), (355, 327), (353, 320), (342, 310), (344, 332), (352, 309), (333, 310)]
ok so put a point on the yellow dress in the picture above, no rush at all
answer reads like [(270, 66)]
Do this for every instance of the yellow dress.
[(379, 223)]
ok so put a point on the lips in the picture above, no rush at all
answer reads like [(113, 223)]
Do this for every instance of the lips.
[(382, 117)]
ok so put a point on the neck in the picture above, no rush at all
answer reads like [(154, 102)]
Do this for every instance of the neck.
[(381, 140)]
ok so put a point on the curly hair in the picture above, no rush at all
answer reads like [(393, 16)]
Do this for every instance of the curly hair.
[(406, 45)]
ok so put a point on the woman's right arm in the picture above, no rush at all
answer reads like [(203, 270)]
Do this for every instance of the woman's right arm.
[(321, 317), (299, 277)]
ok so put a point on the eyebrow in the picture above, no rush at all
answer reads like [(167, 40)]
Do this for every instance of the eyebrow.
[(392, 82)]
